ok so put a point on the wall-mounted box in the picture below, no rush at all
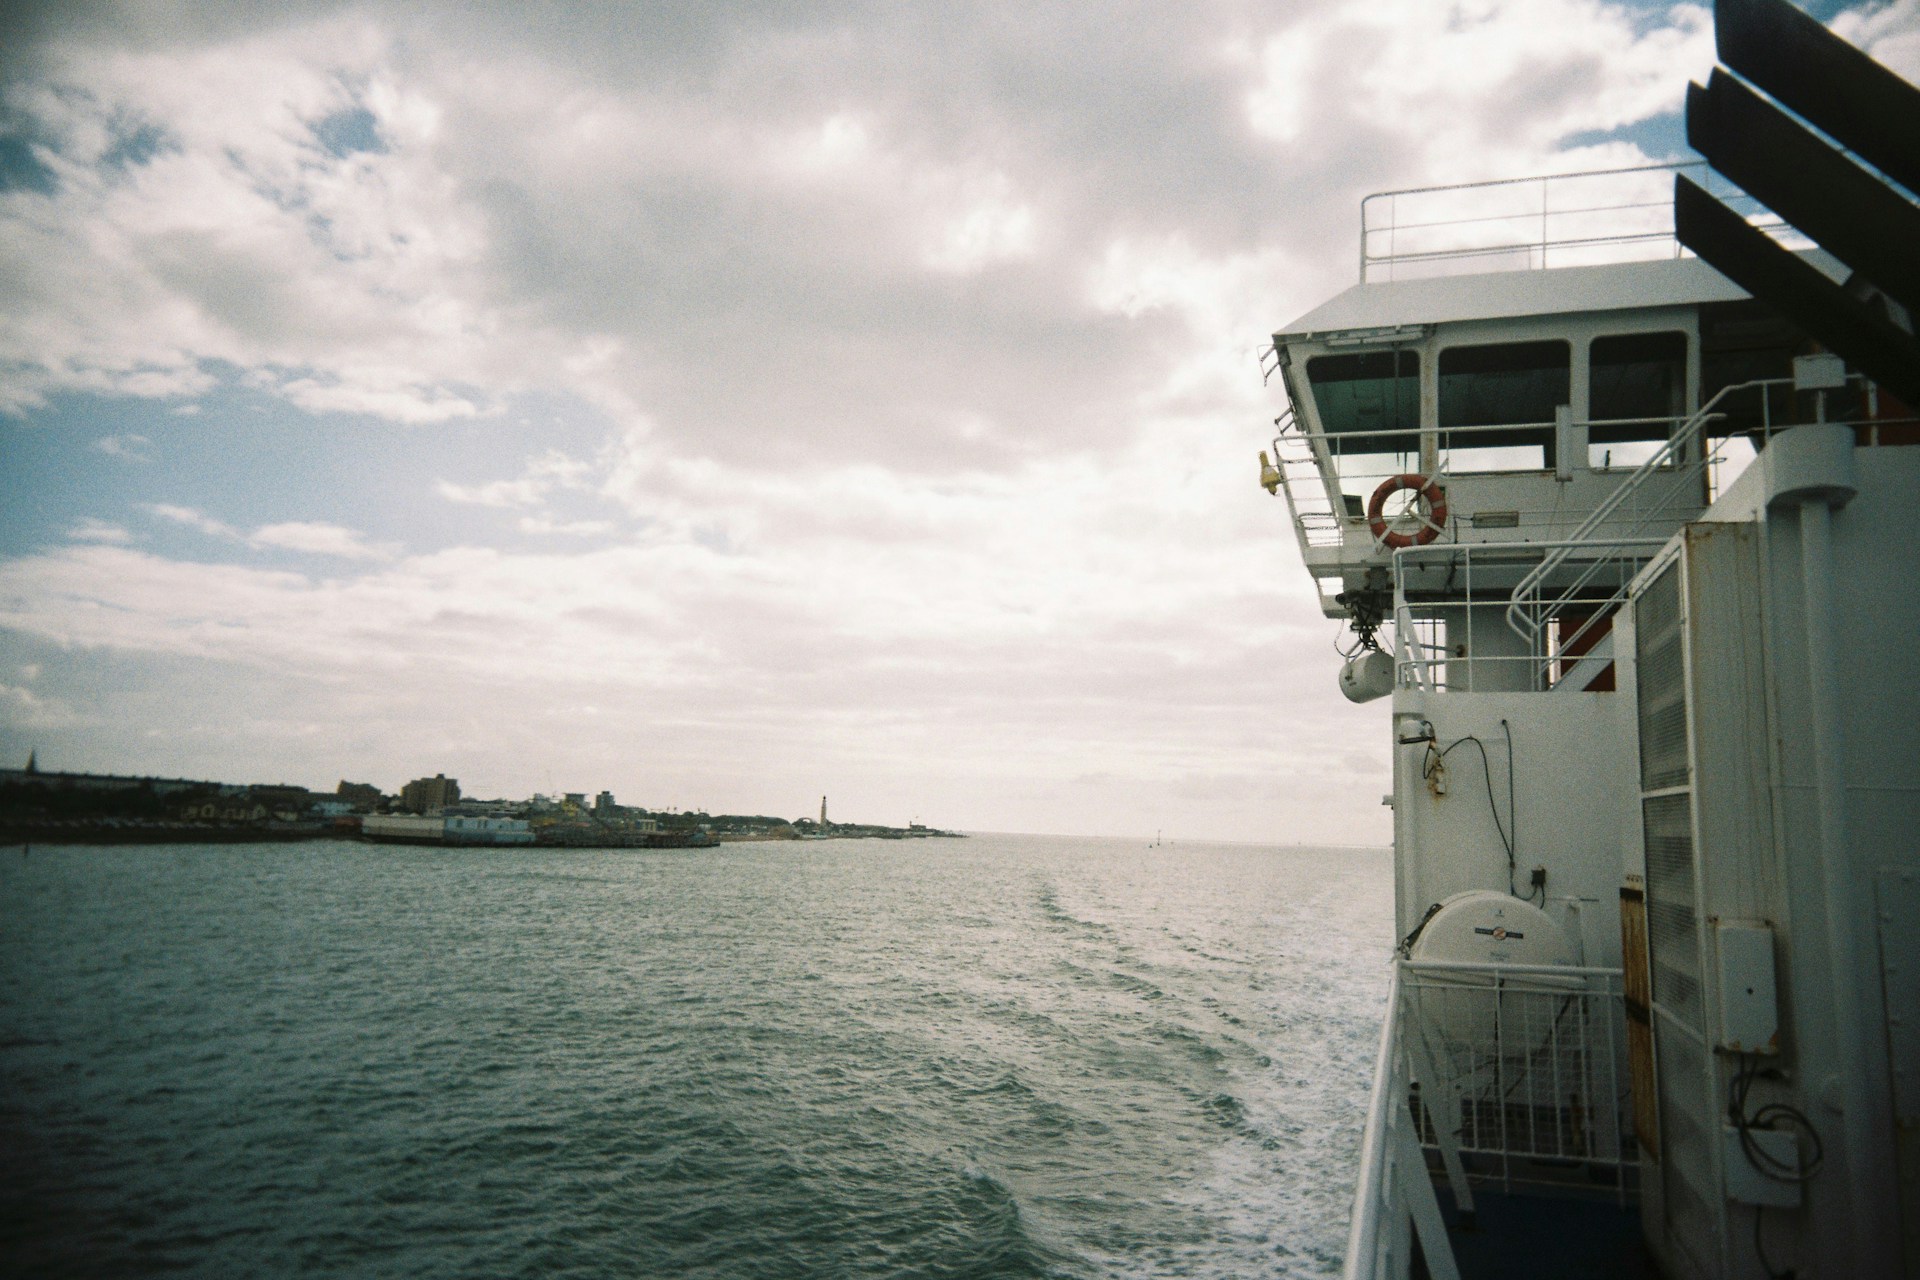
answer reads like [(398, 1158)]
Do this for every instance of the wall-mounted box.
[(1749, 1007), (1819, 373)]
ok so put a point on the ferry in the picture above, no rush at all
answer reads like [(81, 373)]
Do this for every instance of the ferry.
[(1609, 481)]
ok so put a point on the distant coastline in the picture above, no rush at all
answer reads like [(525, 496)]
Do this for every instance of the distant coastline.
[(51, 807)]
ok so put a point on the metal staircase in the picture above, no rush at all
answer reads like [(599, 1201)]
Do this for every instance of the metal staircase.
[(1589, 573)]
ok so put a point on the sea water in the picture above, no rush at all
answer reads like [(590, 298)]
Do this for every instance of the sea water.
[(994, 1057)]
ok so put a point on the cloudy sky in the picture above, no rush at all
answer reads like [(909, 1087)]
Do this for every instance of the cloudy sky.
[(725, 405)]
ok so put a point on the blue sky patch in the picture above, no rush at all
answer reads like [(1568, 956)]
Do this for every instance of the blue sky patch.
[(345, 132), (1659, 136), (245, 458), (22, 170), (135, 144)]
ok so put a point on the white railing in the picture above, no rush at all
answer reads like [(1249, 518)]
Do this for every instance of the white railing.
[(1522, 1064), (1475, 584), (1671, 482), (1570, 219), (1669, 476), (1504, 1071), (1393, 1185), (1297, 471)]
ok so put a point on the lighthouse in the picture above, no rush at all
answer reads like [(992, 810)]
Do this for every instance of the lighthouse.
[(823, 811)]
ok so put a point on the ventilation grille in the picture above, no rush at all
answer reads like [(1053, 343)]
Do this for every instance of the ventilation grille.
[(1663, 686), (1688, 1120), (1672, 923), (1689, 1112)]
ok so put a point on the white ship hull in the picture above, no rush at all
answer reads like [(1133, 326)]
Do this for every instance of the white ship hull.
[(1647, 628)]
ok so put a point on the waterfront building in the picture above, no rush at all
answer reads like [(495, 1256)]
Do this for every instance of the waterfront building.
[(403, 828), (230, 809), (34, 776), (486, 830), (362, 796), (283, 796), (423, 795)]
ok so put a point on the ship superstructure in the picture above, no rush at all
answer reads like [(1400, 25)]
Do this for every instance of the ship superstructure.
[(1627, 547)]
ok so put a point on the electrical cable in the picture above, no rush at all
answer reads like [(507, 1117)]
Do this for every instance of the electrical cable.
[(1435, 756), (1768, 1166), (1764, 1162), (1760, 1250), (1513, 816)]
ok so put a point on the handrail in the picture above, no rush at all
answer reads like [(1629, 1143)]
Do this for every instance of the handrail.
[(1295, 464), (1367, 1241), (1458, 1063), (1626, 197), (1518, 970), (1528, 595), (1495, 250), (1394, 1202), (1416, 660), (1478, 428), (1528, 609), (1543, 177), (1527, 214)]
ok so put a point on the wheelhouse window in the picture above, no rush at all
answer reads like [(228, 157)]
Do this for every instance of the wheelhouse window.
[(1369, 406), (1744, 341), (1497, 404), (1637, 389)]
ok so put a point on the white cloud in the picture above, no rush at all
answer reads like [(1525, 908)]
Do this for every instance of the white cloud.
[(90, 529), (847, 622), (494, 493), (569, 528), (23, 708), (307, 536), (1490, 89), (397, 400), (320, 539), (991, 224), (128, 447), (541, 477), (1889, 33), (841, 140), (240, 238), (195, 520), (1278, 104), (927, 367)]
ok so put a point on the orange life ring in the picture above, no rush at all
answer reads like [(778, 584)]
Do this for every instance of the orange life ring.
[(1436, 510)]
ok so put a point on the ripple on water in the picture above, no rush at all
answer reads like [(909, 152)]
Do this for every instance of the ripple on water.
[(998, 1057)]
